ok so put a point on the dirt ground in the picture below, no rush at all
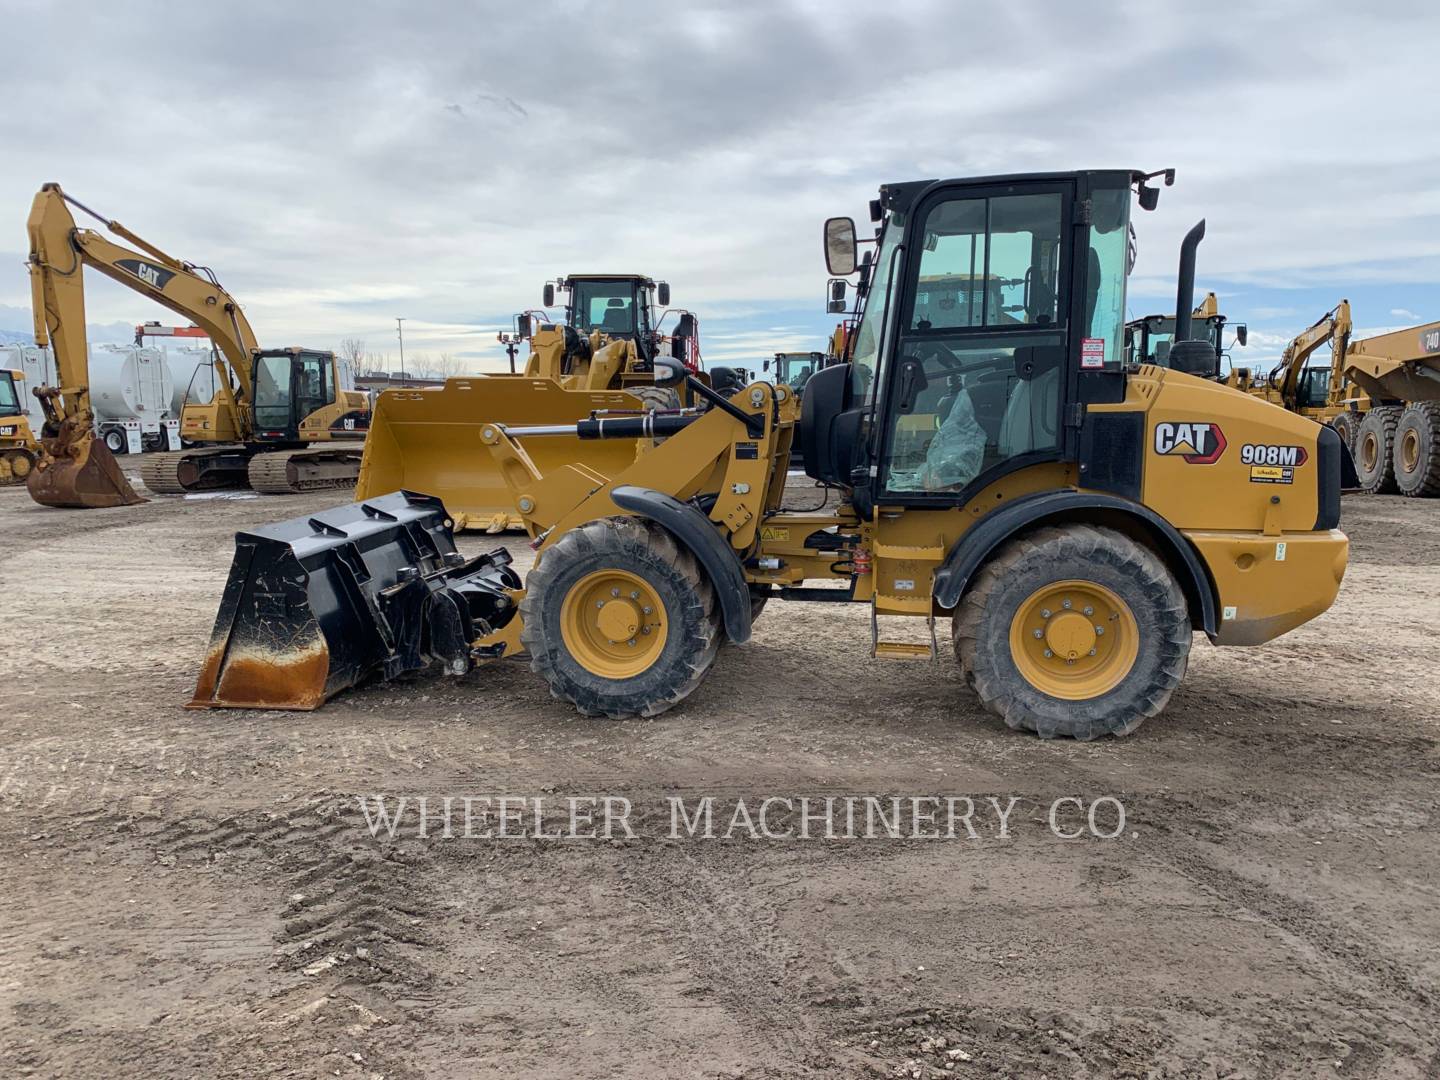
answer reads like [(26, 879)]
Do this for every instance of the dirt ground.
[(197, 894)]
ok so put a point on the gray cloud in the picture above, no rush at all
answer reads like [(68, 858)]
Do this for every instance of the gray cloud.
[(340, 163)]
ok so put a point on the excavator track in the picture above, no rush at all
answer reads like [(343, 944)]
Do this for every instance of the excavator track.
[(213, 468), (312, 468)]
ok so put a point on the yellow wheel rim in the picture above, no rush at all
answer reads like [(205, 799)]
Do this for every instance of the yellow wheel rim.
[(613, 623), (1369, 451), (1410, 452), (1074, 640), (19, 466)]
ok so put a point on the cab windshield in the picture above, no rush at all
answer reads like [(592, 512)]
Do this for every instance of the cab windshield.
[(9, 396), (607, 306), (865, 357)]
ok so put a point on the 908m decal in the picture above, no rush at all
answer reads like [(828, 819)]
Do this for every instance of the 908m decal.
[(1272, 463)]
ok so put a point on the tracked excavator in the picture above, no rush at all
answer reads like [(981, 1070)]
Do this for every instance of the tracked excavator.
[(1074, 521), (602, 357), (281, 420), (18, 447)]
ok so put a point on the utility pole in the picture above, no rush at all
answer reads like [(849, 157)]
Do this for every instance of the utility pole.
[(400, 329)]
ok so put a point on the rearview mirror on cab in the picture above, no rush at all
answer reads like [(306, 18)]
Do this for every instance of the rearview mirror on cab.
[(840, 246), (549, 298), (664, 290), (1242, 335)]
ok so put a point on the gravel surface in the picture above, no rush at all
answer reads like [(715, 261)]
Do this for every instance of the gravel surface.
[(198, 893)]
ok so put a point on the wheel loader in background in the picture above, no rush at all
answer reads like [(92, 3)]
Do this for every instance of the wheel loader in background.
[(601, 358), (18, 447), (281, 420), (1075, 520), (1148, 340)]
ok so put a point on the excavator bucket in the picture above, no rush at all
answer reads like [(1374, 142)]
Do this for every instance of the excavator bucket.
[(76, 469), (429, 440), (317, 604)]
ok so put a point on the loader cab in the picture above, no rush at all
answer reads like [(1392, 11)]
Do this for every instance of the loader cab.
[(795, 369), (1148, 340), (994, 313), (618, 305), (290, 385), (10, 391)]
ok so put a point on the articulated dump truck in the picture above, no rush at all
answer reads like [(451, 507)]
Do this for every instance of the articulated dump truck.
[(1074, 521), (600, 361)]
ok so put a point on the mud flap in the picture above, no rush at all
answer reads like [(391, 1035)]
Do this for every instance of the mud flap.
[(317, 604)]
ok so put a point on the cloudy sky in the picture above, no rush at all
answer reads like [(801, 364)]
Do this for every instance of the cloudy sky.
[(342, 163)]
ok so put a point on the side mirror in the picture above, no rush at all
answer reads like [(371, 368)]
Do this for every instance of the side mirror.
[(523, 327), (1242, 335), (837, 297), (663, 289), (686, 326), (549, 297), (840, 246), (668, 372), (765, 365)]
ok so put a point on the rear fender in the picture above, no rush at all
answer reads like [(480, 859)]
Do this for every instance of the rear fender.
[(974, 549)]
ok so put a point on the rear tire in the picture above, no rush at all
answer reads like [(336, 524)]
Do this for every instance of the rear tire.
[(653, 398), (116, 443), (601, 582), (1417, 450), (1375, 450), (1060, 583)]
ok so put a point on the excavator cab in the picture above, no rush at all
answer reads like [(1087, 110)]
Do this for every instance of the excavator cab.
[(292, 386)]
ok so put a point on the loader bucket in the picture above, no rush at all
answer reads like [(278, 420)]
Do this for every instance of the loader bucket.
[(317, 604), (78, 470), (429, 440)]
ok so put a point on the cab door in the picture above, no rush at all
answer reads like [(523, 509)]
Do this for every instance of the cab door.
[(314, 388), (977, 377)]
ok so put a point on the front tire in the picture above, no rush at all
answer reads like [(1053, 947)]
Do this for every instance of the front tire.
[(619, 619), (1074, 630), (116, 443)]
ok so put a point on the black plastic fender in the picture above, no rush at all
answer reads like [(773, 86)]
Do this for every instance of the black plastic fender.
[(970, 553), (698, 533)]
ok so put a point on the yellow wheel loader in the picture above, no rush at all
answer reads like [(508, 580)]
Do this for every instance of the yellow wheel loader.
[(281, 420), (1148, 340), (1074, 522), (601, 358), (18, 448)]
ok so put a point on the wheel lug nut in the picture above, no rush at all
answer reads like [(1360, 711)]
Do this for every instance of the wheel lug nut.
[(634, 596), (1089, 610), (1092, 652), (1066, 605), (1039, 634), (1099, 631), (631, 643), (646, 610), (644, 630), (1044, 613), (599, 603), (614, 592), (1048, 654)]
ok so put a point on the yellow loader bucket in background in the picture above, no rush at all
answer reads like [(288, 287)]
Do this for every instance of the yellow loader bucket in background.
[(429, 441)]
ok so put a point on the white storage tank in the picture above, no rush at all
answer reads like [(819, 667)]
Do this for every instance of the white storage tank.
[(39, 368), (131, 392), (192, 368)]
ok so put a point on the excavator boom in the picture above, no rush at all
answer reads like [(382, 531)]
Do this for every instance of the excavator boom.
[(73, 468)]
